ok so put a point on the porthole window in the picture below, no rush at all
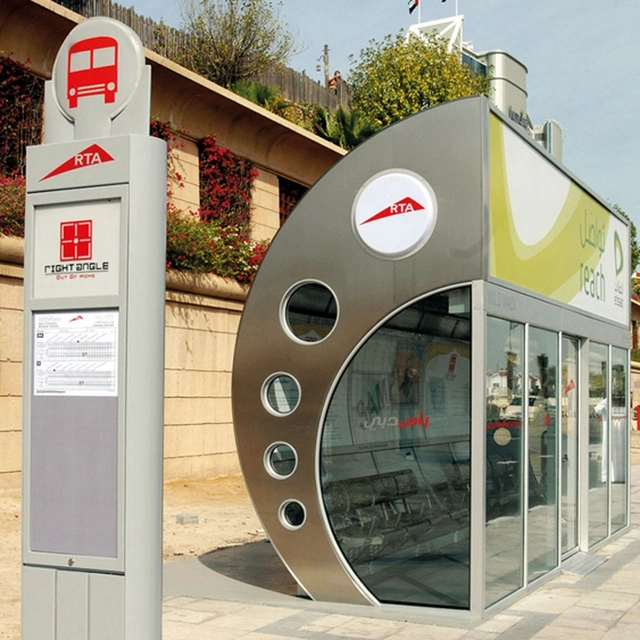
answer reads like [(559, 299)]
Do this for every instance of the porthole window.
[(281, 394), (280, 460), (310, 312), (292, 514)]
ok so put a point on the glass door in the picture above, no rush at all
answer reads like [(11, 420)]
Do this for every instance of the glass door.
[(569, 444)]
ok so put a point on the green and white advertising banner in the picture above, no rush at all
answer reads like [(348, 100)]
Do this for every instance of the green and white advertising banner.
[(549, 235)]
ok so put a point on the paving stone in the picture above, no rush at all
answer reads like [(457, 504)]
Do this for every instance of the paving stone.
[(550, 600), (610, 600), (580, 617), (623, 631)]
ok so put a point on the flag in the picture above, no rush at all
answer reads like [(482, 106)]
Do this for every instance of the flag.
[(412, 5)]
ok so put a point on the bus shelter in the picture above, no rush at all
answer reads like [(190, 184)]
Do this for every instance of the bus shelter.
[(431, 378)]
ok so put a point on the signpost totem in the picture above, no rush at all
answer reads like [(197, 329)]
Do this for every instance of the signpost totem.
[(94, 348)]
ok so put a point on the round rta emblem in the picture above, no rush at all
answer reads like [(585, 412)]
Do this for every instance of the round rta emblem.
[(394, 213)]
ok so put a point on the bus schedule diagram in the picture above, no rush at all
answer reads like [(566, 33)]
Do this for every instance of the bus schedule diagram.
[(75, 354)]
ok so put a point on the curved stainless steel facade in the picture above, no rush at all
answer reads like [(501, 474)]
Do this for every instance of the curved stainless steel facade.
[(318, 244), (383, 361)]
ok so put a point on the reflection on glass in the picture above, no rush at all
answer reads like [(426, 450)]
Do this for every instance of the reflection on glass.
[(293, 514), (619, 438), (282, 394), (542, 522), (395, 456), (598, 442), (504, 546), (281, 459), (311, 312), (569, 444)]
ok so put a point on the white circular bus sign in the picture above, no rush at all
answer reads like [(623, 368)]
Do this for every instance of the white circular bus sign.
[(395, 213), (97, 70)]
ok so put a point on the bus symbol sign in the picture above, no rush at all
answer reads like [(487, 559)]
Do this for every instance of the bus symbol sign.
[(92, 69), (96, 75)]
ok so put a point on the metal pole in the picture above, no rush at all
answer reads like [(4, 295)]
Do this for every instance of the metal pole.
[(325, 58)]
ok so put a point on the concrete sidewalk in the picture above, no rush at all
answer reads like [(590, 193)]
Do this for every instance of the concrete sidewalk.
[(595, 597)]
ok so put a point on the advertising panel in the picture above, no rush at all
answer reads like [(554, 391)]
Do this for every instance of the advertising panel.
[(77, 249), (548, 235)]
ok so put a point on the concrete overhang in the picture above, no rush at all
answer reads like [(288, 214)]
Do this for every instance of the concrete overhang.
[(32, 31)]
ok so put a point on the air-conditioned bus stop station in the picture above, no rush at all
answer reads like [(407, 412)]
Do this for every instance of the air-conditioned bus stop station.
[(431, 379)]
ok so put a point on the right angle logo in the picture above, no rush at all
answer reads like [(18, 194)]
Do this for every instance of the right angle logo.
[(394, 213), (76, 240)]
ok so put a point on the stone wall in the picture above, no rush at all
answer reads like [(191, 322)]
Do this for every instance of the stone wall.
[(202, 317), (11, 304), (202, 314)]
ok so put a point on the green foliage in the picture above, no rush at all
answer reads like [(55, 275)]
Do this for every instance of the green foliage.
[(635, 250), (12, 198), (344, 128), (208, 247), (260, 94), (633, 233), (268, 97), (231, 40), (397, 78), (21, 100)]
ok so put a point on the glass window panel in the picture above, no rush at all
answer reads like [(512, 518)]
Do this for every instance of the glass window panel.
[(281, 460), (542, 521), (504, 546), (598, 442), (311, 312), (282, 394), (395, 456), (619, 438), (569, 443)]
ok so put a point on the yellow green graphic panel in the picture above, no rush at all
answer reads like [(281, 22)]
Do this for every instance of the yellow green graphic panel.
[(548, 235)]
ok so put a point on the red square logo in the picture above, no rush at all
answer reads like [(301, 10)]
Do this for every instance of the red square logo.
[(76, 240)]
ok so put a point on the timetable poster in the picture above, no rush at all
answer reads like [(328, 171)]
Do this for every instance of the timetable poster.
[(75, 354)]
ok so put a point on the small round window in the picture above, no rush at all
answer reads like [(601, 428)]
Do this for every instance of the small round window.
[(280, 460), (310, 312), (292, 514), (281, 394)]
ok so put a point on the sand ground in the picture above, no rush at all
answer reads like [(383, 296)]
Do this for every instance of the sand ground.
[(222, 506)]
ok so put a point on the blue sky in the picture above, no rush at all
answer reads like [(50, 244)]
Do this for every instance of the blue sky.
[(583, 58)]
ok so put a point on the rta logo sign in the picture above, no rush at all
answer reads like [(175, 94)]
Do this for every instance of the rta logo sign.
[(89, 157), (92, 69), (406, 205), (76, 240), (394, 213)]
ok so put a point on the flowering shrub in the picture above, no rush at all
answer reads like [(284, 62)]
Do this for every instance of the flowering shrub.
[(209, 247), (212, 240), (225, 187), (12, 195), (21, 100), (167, 132)]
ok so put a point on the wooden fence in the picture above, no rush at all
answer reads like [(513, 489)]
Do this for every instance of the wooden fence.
[(171, 43)]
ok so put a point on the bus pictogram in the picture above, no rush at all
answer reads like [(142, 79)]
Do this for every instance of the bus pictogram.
[(92, 69)]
